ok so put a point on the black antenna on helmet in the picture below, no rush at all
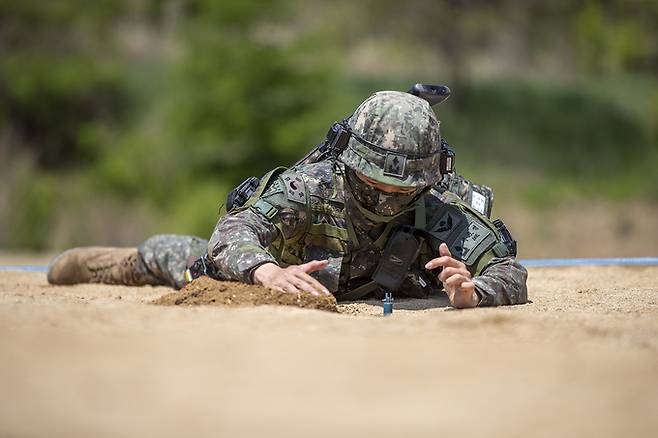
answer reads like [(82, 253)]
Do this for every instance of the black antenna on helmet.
[(433, 94)]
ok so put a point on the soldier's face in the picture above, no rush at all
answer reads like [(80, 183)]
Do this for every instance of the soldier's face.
[(379, 198), (387, 188)]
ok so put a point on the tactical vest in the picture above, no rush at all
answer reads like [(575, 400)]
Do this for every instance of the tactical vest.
[(315, 193)]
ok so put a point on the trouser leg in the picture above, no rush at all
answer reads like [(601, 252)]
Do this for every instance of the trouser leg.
[(166, 255)]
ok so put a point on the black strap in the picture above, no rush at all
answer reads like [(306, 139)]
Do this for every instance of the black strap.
[(359, 292)]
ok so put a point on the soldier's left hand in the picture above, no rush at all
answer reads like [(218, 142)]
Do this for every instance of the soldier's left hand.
[(456, 279)]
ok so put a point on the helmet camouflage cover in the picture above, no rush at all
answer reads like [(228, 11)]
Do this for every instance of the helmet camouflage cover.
[(395, 140)]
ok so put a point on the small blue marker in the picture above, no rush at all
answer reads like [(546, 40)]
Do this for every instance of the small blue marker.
[(388, 303)]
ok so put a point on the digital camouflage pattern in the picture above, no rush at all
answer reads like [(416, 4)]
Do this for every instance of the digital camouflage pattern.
[(316, 229), (279, 228), (166, 256), (395, 140), (322, 211), (380, 203)]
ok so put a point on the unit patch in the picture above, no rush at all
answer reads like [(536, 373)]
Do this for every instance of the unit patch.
[(449, 224), (394, 164), (473, 242), (274, 188)]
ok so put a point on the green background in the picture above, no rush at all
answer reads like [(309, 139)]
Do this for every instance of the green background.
[(120, 119)]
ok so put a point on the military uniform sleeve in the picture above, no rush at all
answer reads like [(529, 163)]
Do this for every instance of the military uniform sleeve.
[(243, 240), (502, 282), (238, 244)]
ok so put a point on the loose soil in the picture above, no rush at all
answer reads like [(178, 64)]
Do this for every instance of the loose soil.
[(207, 291), (102, 361)]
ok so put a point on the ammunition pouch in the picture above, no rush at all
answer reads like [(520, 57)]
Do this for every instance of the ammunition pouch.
[(401, 252)]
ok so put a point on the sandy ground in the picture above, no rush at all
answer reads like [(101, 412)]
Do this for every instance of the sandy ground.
[(90, 360), (583, 229)]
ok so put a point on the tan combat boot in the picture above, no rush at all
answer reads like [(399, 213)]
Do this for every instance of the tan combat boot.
[(96, 264)]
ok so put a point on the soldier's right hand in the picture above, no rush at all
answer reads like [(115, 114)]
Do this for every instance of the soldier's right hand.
[(292, 279)]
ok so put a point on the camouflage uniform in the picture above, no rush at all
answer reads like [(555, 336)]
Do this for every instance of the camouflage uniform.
[(166, 256), (321, 211)]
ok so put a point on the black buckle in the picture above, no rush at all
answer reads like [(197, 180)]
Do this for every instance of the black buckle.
[(241, 194)]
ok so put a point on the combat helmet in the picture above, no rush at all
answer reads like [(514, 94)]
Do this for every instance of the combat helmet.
[(395, 140)]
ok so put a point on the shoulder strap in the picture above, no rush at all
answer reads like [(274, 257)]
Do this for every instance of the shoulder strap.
[(264, 183), (359, 292), (420, 222)]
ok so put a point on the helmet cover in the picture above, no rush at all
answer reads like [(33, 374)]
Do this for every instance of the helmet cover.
[(395, 140)]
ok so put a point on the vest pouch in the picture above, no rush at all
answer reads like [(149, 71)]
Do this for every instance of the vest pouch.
[(401, 252)]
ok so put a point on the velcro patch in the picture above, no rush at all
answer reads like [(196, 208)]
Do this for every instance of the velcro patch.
[(295, 188), (274, 188), (473, 242), (449, 224), (479, 202), (395, 164)]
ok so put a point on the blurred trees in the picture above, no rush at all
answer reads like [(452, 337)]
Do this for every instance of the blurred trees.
[(58, 77), (126, 117)]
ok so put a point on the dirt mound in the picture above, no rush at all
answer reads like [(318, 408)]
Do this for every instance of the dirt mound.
[(207, 291)]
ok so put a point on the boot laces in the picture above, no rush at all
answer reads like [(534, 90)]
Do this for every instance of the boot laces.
[(113, 271)]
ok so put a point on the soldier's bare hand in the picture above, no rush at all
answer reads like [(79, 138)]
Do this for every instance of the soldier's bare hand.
[(456, 279), (292, 279)]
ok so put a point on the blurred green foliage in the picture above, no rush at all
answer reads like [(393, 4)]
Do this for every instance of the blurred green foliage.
[(127, 117)]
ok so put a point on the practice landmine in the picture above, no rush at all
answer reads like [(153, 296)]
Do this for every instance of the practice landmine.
[(388, 303)]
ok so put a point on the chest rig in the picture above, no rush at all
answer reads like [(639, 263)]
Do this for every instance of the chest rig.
[(359, 257)]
